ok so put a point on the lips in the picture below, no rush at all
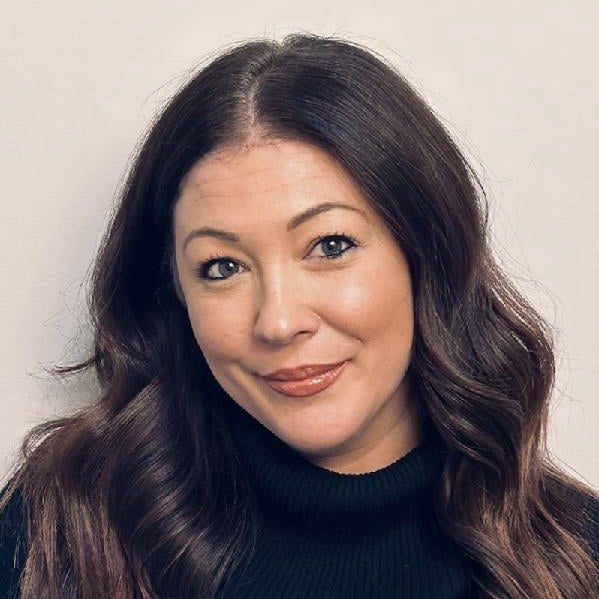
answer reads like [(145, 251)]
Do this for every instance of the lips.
[(301, 372), (308, 385)]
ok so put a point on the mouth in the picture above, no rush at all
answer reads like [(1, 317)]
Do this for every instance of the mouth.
[(308, 385), (300, 372)]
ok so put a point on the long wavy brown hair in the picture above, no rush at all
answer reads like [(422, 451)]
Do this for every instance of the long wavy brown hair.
[(140, 494)]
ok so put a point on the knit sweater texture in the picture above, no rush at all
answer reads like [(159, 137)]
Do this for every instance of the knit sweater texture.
[(323, 534)]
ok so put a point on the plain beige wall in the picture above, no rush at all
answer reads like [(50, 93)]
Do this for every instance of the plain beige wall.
[(515, 81)]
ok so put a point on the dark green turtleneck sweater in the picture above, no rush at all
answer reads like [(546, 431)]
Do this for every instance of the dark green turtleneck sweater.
[(342, 536)]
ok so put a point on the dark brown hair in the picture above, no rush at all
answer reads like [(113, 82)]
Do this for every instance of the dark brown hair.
[(140, 494)]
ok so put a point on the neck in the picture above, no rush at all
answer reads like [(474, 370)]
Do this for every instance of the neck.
[(291, 489)]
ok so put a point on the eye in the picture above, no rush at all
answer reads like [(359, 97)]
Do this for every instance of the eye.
[(332, 245), (217, 268)]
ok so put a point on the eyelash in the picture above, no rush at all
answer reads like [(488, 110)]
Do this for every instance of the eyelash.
[(203, 268)]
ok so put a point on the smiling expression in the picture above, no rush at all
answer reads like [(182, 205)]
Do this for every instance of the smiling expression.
[(282, 262)]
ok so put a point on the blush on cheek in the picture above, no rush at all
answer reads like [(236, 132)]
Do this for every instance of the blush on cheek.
[(378, 299), (349, 298)]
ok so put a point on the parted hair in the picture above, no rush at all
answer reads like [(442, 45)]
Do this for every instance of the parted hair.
[(140, 494)]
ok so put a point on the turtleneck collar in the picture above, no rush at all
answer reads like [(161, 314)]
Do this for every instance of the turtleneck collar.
[(293, 491)]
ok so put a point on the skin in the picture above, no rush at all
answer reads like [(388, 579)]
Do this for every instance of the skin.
[(282, 303)]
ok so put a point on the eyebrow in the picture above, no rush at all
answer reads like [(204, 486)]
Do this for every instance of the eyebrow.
[(295, 222)]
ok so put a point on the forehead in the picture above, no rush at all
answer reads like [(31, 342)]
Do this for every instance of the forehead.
[(292, 170)]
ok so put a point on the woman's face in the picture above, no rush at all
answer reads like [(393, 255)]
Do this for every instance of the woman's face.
[(282, 263)]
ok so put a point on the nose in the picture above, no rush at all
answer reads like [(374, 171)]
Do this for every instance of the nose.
[(283, 309)]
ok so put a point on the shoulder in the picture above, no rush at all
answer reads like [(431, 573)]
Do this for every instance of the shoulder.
[(12, 544)]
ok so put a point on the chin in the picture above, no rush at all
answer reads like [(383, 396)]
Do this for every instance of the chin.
[(317, 437)]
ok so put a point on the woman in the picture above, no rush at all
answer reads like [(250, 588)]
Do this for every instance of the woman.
[(315, 380)]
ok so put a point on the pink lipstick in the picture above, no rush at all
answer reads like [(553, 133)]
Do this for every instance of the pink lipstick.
[(290, 384)]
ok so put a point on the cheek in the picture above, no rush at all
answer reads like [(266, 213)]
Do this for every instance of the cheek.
[(380, 301), (219, 331), (388, 328)]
